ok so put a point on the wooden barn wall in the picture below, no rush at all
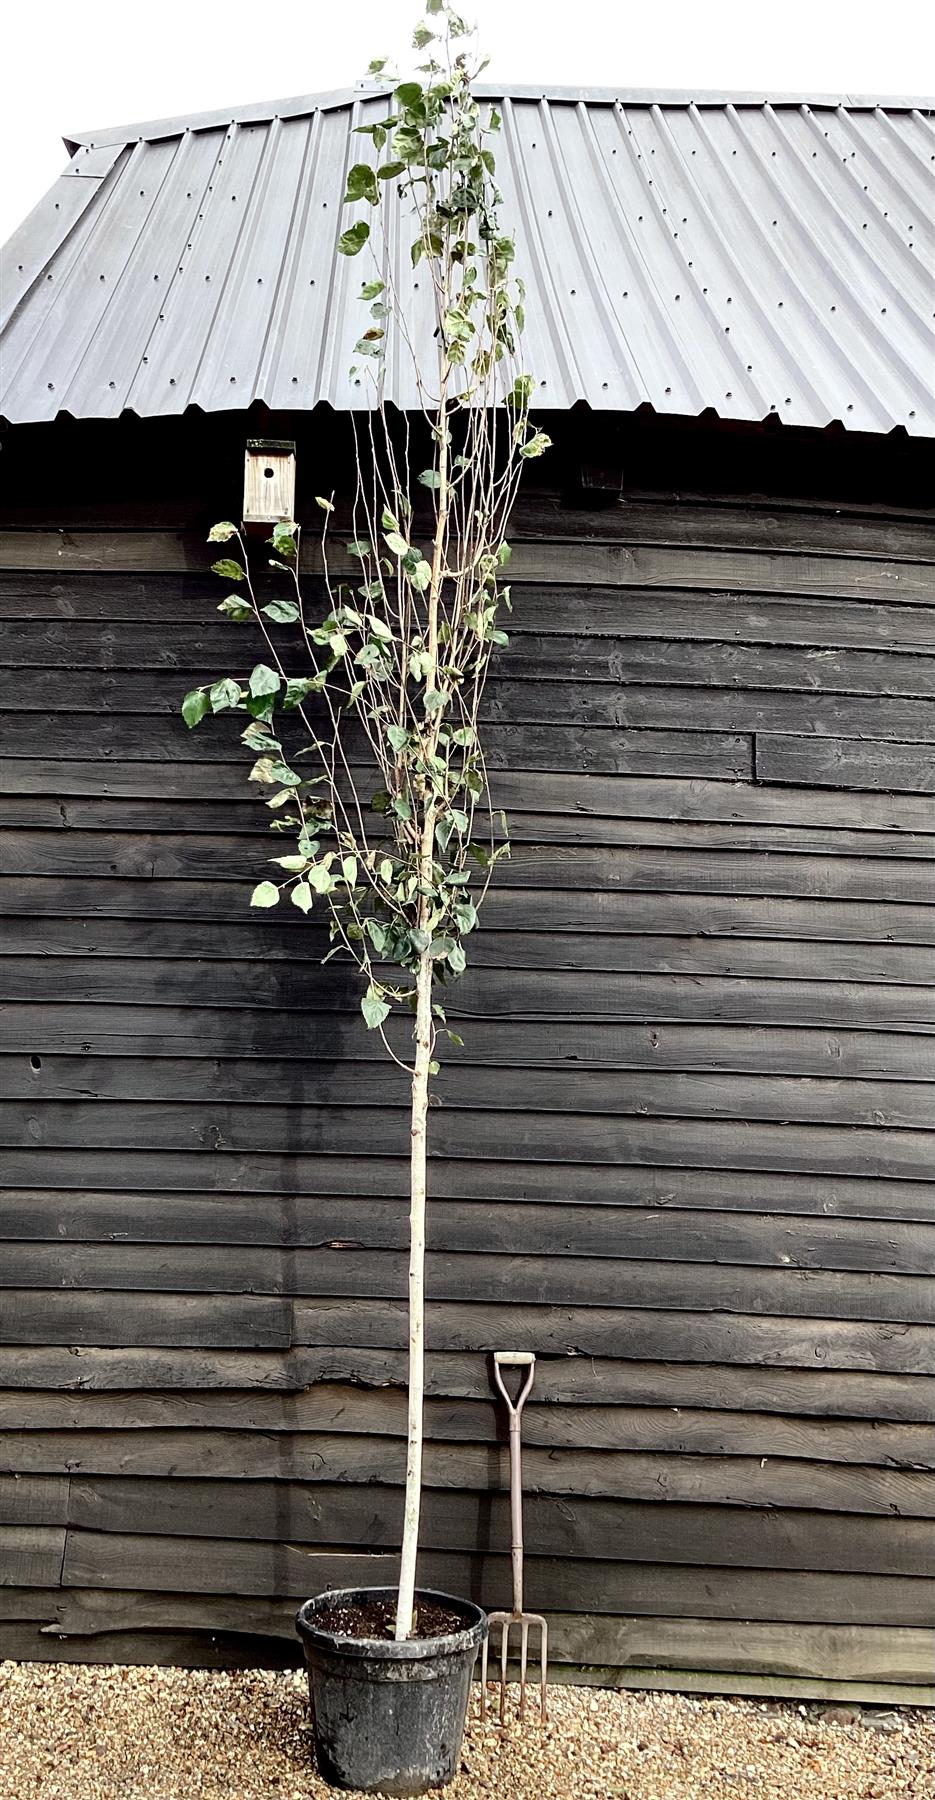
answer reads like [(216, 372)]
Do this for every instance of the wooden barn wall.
[(686, 1154)]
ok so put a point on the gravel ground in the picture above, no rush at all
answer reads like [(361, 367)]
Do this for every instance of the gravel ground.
[(104, 1733)]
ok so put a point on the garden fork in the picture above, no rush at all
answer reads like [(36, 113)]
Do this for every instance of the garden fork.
[(521, 1359)]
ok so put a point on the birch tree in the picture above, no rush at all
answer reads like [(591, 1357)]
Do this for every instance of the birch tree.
[(365, 716)]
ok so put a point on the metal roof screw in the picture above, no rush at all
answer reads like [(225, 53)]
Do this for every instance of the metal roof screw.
[(295, 380), (626, 293), (549, 213), (749, 368), (864, 225), (780, 303), (639, 218), (572, 290), (912, 412), (259, 281), (142, 193), (56, 206), (728, 395), (112, 384), (48, 278), (207, 278), (101, 278), (728, 299), (188, 194), (171, 380), (678, 296), (834, 309), (668, 390), (727, 329), (19, 268), (605, 384), (233, 379), (788, 400), (51, 387), (850, 407), (883, 309)]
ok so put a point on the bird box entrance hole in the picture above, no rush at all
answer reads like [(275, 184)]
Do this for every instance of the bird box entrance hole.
[(269, 481)]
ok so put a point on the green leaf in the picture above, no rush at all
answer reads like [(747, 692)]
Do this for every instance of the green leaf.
[(377, 934), (219, 534), (360, 547), (349, 870), (388, 171), (361, 184), (398, 737), (536, 445), (430, 478), (292, 864), (321, 879), (416, 252), (422, 36), (457, 959), (420, 575), (282, 612), (434, 1068), (263, 680), (302, 897), (374, 1009), (232, 608), (397, 544), (194, 707), (326, 505), (369, 291), (433, 700), (256, 738), (283, 537), (280, 771), (353, 240), (297, 687), (223, 694), (386, 871), (409, 94), (377, 66), (265, 894), (231, 571), (401, 807)]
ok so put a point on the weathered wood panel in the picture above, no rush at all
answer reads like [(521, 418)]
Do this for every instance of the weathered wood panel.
[(569, 1379), (687, 1152)]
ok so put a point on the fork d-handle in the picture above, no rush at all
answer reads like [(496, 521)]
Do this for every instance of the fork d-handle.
[(526, 1360)]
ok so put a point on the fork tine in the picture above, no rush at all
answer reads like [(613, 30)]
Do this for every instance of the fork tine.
[(483, 1677), (504, 1654), (523, 1655)]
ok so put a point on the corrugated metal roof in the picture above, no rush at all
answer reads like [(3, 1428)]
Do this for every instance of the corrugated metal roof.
[(746, 254)]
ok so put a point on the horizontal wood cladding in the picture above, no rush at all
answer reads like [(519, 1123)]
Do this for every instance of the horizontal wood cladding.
[(687, 1153), (565, 1379), (585, 563), (340, 1407), (227, 1321), (244, 1569)]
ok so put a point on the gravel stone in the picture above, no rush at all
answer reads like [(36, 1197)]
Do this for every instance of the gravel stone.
[(95, 1732)]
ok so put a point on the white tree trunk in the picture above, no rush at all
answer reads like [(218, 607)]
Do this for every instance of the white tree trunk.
[(419, 1131)]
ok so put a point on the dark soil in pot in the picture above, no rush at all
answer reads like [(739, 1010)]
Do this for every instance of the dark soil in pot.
[(389, 1717)]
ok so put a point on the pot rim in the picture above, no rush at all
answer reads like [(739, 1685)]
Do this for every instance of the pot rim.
[(387, 1649)]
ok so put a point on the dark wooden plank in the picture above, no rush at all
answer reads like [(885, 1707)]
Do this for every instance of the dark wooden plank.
[(28, 813), (347, 1083), (248, 937), (846, 762), (704, 1143), (585, 1527), (483, 993), (607, 703), (77, 735), (45, 1317), (201, 857), (103, 1030), (204, 1566), (618, 797), (382, 1177), (569, 1379), (603, 564), (630, 911), (299, 1221), (763, 1481), (342, 1408), (33, 1500), (30, 1556), (174, 1649), (661, 655)]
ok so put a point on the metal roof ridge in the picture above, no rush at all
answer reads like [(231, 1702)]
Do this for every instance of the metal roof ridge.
[(297, 106)]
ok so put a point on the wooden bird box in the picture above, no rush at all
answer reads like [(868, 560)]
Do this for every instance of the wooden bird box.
[(268, 481)]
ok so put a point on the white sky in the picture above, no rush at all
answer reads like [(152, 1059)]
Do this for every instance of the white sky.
[(70, 66)]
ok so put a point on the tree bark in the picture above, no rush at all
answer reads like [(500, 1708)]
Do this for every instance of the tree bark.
[(417, 1193)]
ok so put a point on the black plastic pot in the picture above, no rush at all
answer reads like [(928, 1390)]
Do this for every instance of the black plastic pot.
[(389, 1717)]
